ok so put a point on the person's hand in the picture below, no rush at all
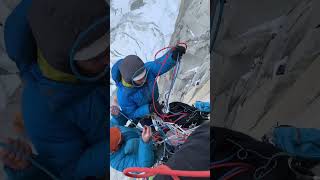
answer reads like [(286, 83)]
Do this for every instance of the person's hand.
[(115, 110), (146, 134), (156, 108), (16, 158), (178, 50)]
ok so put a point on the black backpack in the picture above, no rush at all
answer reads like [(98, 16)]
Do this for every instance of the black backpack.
[(193, 115)]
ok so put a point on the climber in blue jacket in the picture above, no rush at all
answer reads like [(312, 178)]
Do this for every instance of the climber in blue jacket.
[(135, 80), (64, 116), (131, 148)]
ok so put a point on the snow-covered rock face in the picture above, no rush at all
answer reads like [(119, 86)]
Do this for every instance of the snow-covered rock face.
[(192, 27), (141, 27), (136, 4), (266, 71)]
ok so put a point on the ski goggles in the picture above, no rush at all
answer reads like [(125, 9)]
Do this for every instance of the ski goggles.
[(140, 75)]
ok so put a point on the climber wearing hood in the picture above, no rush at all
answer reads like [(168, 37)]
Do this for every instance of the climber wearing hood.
[(64, 115), (135, 80), (131, 148)]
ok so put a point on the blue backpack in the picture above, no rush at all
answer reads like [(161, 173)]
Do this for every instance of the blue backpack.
[(202, 106), (299, 142)]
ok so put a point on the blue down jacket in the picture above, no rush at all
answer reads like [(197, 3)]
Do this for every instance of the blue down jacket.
[(133, 151), (66, 122), (135, 101)]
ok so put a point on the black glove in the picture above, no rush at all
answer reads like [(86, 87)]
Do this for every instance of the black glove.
[(158, 107), (178, 50)]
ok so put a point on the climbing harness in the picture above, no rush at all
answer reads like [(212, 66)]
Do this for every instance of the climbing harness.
[(164, 170), (31, 160)]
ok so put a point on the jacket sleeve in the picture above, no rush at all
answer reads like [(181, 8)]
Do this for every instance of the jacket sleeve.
[(155, 66), (133, 153), (135, 111), (19, 41), (141, 112), (90, 117), (146, 154), (94, 162), (119, 120)]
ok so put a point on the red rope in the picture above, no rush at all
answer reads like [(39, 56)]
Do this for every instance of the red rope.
[(164, 170), (163, 116), (182, 116), (168, 47), (154, 85), (179, 43), (174, 72), (244, 167)]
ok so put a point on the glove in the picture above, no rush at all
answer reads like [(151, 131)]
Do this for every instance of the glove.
[(115, 110), (15, 159), (178, 50), (158, 109)]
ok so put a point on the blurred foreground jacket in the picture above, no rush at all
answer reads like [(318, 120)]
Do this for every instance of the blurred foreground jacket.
[(66, 120)]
